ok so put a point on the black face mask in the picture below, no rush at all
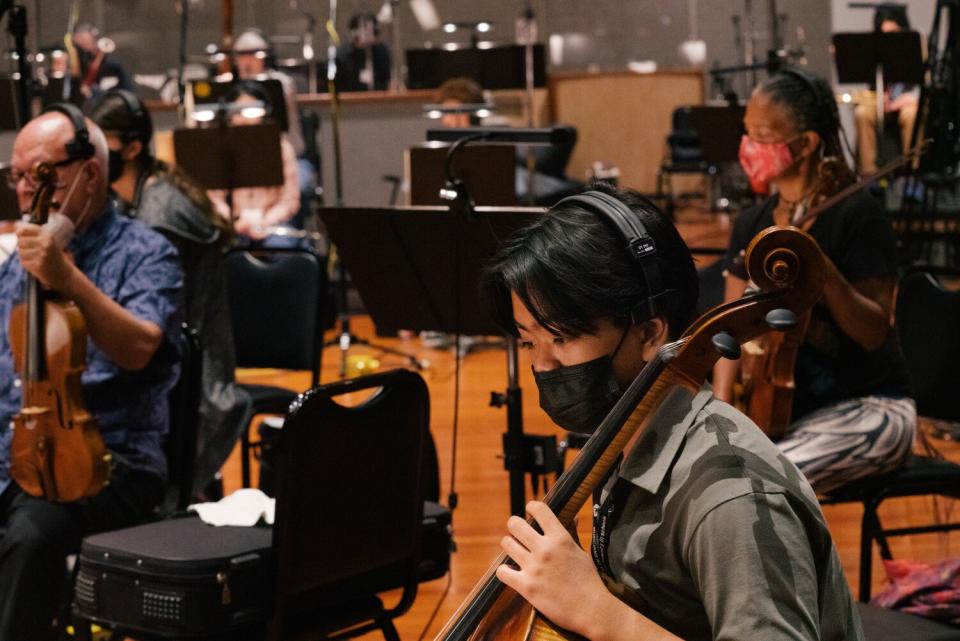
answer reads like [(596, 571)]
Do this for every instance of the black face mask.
[(84, 57), (114, 165), (578, 397)]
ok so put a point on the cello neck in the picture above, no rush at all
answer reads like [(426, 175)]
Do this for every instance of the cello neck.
[(574, 487)]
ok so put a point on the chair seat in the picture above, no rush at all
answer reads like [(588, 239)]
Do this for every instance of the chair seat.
[(880, 624), (919, 475), (267, 399)]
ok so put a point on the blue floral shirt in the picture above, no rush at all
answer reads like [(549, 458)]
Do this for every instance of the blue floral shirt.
[(140, 270)]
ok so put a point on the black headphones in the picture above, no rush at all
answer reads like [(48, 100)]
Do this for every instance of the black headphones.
[(80, 147), (141, 120), (824, 99), (640, 246)]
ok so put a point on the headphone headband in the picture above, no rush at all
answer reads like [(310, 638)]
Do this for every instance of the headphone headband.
[(640, 246), (80, 147), (824, 100), (134, 106)]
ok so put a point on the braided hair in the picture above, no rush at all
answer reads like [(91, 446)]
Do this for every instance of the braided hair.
[(810, 104)]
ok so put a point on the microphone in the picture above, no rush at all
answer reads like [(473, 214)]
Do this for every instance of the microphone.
[(515, 135)]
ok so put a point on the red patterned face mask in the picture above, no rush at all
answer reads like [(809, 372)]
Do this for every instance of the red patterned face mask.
[(763, 162)]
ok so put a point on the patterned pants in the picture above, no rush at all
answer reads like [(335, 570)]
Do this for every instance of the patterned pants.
[(851, 440)]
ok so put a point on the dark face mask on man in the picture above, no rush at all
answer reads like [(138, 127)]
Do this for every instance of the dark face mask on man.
[(578, 397)]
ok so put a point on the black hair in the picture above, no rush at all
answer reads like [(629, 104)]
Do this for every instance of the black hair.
[(364, 16), (254, 89), (112, 114), (897, 13), (810, 103), (571, 268)]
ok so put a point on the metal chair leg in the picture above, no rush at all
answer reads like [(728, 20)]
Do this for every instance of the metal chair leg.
[(869, 529), (245, 456), (389, 630)]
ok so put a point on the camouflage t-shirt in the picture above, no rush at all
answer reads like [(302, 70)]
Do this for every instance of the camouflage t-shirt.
[(710, 532)]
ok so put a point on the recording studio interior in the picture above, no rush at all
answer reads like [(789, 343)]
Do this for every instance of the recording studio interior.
[(432, 319)]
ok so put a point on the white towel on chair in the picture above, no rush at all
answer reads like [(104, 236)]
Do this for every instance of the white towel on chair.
[(243, 508)]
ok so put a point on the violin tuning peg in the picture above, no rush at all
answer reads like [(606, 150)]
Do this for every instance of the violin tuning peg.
[(726, 345), (781, 320)]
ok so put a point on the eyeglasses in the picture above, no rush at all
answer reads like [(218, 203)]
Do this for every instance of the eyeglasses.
[(15, 176)]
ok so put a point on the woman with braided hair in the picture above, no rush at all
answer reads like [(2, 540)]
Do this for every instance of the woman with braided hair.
[(852, 414)]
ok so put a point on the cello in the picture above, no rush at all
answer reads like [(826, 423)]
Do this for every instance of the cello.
[(788, 267), (767, 367), (767, 370), (57, 451)]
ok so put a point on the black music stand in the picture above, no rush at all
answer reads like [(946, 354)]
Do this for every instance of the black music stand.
[(228, 157), (878, 59), (719, 128), (404, 265), (9, 205), (503, 67), (488, 170)]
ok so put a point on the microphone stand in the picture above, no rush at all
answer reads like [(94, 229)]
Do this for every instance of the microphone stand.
[(528, 17), (17, 26), (346, 338), (182, 63), (519, 450), (308, 51)]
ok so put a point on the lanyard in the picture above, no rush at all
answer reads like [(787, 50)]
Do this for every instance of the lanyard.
[(603, 521)]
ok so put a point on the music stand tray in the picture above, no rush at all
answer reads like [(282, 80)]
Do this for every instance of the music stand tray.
[(402, 261), (228, 157), (206, 92)]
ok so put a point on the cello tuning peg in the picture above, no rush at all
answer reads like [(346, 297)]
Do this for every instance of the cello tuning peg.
[(781, 319), (726, 345)]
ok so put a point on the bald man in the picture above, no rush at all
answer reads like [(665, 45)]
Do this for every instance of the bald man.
[(126, 281)]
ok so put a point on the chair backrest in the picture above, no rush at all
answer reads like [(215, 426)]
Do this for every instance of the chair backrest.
[(928, 318), (349, 501), (181, 447), (276, 306)]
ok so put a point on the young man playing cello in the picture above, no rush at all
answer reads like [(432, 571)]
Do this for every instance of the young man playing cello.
[(705, 528)]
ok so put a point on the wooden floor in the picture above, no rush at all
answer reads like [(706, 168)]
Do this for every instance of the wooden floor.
[(481, 482)]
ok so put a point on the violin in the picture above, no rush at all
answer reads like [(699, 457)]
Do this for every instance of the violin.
[(57, 451), (788, 267)]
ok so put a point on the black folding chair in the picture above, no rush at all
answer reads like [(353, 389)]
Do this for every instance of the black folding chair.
[(181, 446), (276, 307), (928, 327), (350, 507)]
